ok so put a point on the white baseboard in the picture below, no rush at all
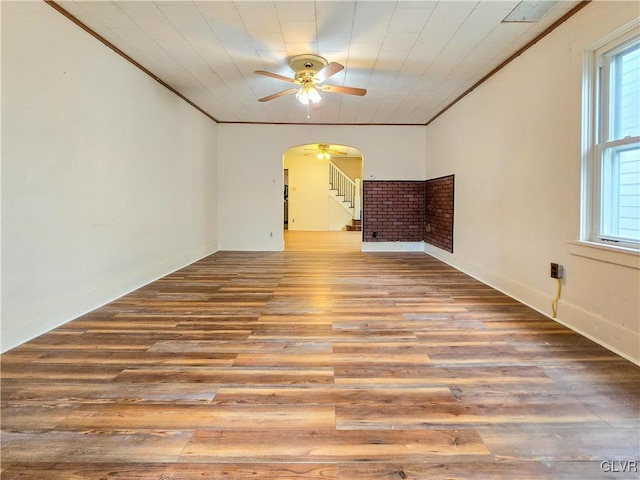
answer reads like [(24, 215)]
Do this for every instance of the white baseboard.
[(336, 227), (393, 246)]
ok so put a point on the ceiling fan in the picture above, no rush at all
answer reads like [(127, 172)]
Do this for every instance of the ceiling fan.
[(311, 72), (324, 151)]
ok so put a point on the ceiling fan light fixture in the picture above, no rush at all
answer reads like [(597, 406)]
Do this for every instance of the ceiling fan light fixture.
[(323, 152), (308, 93), (314, 96)]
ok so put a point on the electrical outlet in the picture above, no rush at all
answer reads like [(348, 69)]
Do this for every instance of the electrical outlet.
[(557, 271), (374, 234)]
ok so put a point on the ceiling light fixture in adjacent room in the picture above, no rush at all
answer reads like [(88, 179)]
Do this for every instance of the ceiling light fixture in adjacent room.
[(323, 152)]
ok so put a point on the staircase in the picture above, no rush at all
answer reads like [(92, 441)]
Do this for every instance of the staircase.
[(347, 193), (355, 226)]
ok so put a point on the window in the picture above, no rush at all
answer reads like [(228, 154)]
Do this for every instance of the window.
[(612, 142)]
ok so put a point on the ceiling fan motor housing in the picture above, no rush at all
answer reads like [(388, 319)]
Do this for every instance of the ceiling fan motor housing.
[(307, 66)]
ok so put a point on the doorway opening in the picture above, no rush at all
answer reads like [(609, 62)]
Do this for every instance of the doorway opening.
[(323, 189)]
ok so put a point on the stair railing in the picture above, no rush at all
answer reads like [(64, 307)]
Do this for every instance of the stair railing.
[(346, 188)]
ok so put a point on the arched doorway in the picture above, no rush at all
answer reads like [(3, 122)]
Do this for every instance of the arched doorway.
[(322, 188)]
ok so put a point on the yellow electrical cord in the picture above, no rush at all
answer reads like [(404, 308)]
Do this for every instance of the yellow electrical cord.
[(554, 304)]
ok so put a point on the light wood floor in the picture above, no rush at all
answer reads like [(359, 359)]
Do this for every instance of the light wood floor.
[(333, 241), (316, 363)]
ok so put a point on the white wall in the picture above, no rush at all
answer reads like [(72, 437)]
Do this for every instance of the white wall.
[(108, 179), (514, 145), (308, 193), (250, 171), (350, 166), (339, 217)]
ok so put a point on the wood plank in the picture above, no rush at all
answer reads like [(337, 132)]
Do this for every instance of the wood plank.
[(46, 415), (172, 471), (69, 392), (545, 444), (95, 446), (220, 347), (332, 395), (326, 359), (84, 371), (478, 470), (294, 446), (441, 375), (381, 348), (195, 417), (241, 376), (463, 416), (126, 358)]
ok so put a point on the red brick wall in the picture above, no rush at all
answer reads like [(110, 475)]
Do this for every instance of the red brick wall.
[(409, 211), (393, 211), (438, 215)]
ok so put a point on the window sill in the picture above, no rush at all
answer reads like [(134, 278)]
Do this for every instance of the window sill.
[(625, 257)]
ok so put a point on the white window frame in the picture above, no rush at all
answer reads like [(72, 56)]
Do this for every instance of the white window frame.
[(595, 130)]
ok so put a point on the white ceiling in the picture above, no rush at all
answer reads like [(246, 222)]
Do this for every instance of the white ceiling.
[(414, 57)]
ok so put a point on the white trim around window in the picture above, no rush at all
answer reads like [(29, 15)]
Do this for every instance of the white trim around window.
[(624, 257), (610, 198)]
